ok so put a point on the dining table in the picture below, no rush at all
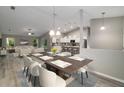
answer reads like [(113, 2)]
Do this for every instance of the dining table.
[(71, 65)]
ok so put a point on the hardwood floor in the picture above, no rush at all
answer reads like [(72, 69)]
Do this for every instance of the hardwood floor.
[(11, 75), (11, 72)]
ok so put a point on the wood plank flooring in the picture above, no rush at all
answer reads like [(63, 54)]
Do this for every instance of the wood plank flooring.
[(11, 72), (11, 75)]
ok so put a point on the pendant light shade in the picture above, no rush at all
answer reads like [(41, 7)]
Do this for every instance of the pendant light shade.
[(58, 33), (29, 34), (52, 33), (102, 28)]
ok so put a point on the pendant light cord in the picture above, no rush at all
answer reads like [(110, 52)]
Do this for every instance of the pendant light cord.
[(54, 15), (103, 13)]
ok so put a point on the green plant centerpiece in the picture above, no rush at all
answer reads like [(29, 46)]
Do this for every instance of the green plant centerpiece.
[(54, 50)]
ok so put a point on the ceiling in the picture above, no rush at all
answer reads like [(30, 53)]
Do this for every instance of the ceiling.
[(40, 18)]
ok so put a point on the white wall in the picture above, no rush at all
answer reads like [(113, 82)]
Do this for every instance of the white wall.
[(110, 62), (0, 35), (74, 33)]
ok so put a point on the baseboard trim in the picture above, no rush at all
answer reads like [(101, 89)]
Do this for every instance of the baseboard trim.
[(108, 77)]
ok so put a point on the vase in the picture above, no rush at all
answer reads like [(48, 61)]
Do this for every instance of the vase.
[(54, 54)]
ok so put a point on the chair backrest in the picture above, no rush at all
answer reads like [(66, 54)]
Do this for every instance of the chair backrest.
[(3, 51), (38, 50), (27, 60), (24, 50), (46, 78), (34, 68), (17, 49)]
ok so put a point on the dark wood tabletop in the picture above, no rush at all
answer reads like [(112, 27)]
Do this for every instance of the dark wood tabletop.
[(76, 65)]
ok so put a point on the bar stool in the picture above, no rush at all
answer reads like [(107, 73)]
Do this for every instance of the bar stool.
[(75, 50), (65, 49), (82, 71)]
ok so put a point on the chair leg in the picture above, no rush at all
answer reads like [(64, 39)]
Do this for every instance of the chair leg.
[(27, 72), (35, 80), (82, 78), (29, 79), (86, 74), (24, 69)]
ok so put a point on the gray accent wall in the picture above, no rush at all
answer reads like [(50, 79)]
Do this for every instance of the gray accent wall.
[(123, 32), (111, 37), (106, 48)]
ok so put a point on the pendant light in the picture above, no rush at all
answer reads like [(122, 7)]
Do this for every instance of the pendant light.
[(58, 33), (10, 29), (103, 21), (53, 32)]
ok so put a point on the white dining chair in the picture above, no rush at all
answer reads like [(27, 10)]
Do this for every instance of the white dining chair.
[(3, 52), (38, 50), (50, 79), (27, 62), (34, 72)]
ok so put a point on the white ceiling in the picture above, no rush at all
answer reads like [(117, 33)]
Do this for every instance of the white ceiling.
[(39, 18)]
